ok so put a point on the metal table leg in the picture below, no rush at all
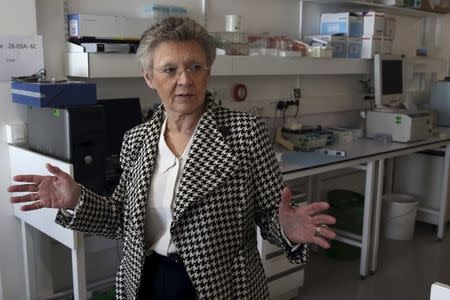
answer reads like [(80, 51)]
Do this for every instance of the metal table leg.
[(444, 194), (79, 269), (30, 282), (367, 221), (377, 217)]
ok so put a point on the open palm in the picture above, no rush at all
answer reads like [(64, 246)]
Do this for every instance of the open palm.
[(57, 191), (305, 224)]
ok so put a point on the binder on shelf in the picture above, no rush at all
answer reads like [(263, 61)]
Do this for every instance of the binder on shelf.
[(109, 48)]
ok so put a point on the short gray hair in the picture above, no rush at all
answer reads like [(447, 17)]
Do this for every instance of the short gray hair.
[(174, 29)]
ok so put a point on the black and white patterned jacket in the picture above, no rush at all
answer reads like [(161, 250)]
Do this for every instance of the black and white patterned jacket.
[(231, 181)]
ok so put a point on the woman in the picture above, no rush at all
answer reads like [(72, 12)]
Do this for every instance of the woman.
[(196, 179)]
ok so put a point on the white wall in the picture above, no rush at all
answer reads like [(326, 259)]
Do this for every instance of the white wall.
[(16, 18), (274, 16)]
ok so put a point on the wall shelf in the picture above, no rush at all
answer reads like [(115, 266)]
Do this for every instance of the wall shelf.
[(427, 64), (112, 65), (364, 5)]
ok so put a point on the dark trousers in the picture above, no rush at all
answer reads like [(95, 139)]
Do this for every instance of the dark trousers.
[(165, 278)]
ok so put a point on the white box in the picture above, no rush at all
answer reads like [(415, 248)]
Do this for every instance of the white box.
[(370, 46), (347, 23), (16, 133), (373, 23), (439, 291), (342, 135), (389, 26), (339, 43), (354, 47), (386, 45), (109, 27)]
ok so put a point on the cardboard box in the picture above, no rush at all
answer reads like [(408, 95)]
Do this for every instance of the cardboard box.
[(339, 43), (107, 27), (346, 23), (373, 23), (442, 6), (370, 46), (56, 95), (354, 47)]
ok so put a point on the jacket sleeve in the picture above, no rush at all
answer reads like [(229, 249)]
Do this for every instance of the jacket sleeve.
[(268, 184), (100, 215)]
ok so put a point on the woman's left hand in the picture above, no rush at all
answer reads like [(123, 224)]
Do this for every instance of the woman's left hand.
[(305, 224)]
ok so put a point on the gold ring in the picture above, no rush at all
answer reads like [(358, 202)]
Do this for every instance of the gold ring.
[(319, 227)]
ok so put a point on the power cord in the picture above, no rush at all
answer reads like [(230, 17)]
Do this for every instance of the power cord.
[(284, 105), (40, 74)]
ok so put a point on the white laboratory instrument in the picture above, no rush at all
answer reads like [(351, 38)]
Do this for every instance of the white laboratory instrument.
[(402, 126), (389, 117)]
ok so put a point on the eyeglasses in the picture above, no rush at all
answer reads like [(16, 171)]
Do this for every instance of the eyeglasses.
[(174, 72)]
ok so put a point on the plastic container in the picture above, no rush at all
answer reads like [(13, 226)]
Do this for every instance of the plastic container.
[(321, 51), (399, 216), (348, 209), (342, 251)]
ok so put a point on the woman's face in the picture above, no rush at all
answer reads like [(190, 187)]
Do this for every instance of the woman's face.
[(180, 76)]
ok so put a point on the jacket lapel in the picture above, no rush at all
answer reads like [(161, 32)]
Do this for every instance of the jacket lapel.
[(210, 162)]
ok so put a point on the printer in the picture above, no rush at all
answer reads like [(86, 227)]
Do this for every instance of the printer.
[(87, 136), (403, 126)]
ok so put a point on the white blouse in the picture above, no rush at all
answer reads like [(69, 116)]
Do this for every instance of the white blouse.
[(163, 189)]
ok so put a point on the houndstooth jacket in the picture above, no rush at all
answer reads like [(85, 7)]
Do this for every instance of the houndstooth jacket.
[(231, 181)]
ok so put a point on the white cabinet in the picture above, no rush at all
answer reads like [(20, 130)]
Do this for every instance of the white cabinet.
[(283, 277), (37, 259)]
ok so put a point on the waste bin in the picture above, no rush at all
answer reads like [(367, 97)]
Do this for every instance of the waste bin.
[(399, 216)]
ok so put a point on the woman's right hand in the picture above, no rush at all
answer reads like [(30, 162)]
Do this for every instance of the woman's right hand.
[(58, 191)]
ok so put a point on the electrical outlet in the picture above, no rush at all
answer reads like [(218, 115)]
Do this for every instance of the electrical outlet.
[(16, 133), (281, 105)]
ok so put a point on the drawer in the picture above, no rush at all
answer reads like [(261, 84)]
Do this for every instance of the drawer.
[(287, 286), (278, 265)]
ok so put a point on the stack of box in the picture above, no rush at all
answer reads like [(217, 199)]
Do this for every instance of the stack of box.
[(378, 33), (344, 31), (356, 35)]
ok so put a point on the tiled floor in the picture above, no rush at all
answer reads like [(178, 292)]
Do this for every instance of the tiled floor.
[(406, 270)]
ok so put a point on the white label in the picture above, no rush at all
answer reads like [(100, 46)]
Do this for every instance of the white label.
[(20, 56), (73, 27), (28, 93)]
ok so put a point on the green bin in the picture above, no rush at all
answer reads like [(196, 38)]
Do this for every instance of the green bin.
[(348, 209)]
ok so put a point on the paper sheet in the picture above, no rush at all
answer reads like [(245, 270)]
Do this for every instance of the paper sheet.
[(20, 56)]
